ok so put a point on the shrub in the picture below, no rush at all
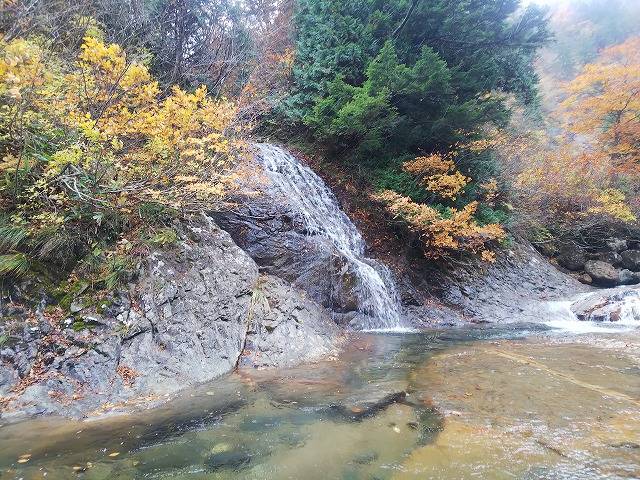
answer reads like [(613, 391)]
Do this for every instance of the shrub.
[(91, 149)]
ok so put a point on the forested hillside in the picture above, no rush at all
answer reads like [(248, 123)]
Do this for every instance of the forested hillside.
[(119, 117)]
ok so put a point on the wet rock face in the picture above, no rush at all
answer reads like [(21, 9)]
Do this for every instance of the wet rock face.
[(272, 232), (508, 290)]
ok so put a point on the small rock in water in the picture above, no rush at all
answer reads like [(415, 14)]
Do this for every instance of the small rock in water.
[(220, 448), (234, 460), (366, 458)]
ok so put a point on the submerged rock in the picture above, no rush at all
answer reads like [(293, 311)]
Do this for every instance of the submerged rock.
[(369, 402), (235, 460)]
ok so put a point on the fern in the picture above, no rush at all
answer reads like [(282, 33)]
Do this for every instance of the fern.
[(118, 272)]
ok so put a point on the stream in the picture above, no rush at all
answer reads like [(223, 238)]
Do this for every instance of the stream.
[(517, 401)]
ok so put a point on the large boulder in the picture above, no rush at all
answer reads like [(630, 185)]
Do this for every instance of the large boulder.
[(631, 260), (194, 308), (572, 259), (186, 320), (602, 273)]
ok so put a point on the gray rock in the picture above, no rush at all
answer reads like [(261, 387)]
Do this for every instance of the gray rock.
[(617, 245), (234, 460), (369, 402), (627, 277), (585, 279), (614, 258), (187, 319), (287, 327), (572, 259), (603, 274), (195, 304), (631, 260)]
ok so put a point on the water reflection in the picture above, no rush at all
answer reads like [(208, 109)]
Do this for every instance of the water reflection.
[(515, 402)]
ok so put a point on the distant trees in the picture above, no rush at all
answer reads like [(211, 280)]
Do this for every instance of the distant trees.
[(217, 43), (581, 185), (583, 28), (603, 105)]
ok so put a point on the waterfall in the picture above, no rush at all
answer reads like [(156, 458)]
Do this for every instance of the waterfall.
[(377, 296)]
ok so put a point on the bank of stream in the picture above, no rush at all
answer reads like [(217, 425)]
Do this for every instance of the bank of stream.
[(516, 401)]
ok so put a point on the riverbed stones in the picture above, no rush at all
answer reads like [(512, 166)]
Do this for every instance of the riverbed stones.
[(605, 306), (602, 273), (572, 259), (631, 260)]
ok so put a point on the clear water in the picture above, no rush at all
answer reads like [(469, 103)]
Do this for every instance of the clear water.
[(377, 296), (521, 402)]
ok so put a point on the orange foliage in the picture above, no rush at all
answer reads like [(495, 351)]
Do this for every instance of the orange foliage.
[(441, 236), (604, 105), (438, 174)]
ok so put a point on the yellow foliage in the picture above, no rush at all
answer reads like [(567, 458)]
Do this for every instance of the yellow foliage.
[(603, 104), (438, 174), (612, 202), (441, 236), (118, 131)]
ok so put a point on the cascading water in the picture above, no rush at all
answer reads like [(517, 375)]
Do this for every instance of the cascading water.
[(613, 310), (377, 296)]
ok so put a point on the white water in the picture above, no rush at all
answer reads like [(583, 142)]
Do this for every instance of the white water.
[(377, 298), (562, 317)]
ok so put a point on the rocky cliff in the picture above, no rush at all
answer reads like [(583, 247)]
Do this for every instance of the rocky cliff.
[(195, 312)]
